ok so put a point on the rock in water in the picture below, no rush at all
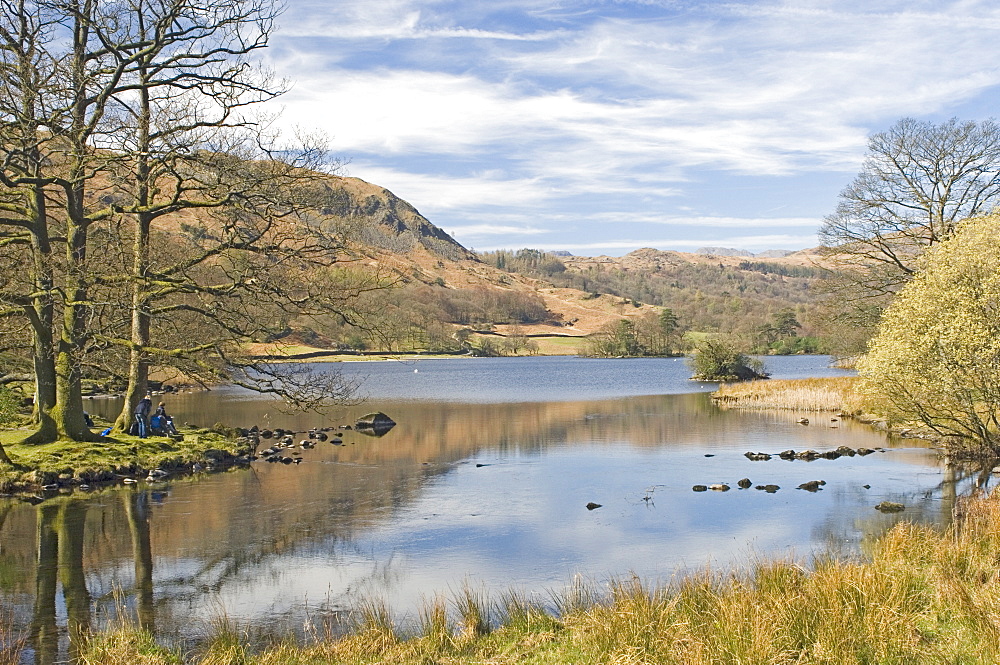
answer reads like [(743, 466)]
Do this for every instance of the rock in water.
[(376, 424), (593, 506), (890, 507)]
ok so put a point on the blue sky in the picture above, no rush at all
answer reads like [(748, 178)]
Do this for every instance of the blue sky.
[(603, 126)]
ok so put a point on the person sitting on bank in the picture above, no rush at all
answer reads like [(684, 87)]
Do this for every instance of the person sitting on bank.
[(161, 423)]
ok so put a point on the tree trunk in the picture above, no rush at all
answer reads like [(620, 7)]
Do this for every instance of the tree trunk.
[(40, 316), (138, 361), (68, 412)]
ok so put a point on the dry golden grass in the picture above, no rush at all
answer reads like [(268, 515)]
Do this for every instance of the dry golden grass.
[(827, 394), (921, 596)]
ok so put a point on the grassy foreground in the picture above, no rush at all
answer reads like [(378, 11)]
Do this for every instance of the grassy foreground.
[(920, 597)]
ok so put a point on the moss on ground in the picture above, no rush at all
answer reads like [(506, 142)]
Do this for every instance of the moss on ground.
[(113, 458)]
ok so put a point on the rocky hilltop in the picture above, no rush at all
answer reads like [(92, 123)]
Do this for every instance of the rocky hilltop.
[(438, 278), (390, 223)]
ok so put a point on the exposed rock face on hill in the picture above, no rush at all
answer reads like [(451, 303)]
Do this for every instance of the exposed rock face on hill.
[(388, 222)]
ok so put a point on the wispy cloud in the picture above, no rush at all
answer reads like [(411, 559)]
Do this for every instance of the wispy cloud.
[(750, 243), (483, 230), (544, 108)]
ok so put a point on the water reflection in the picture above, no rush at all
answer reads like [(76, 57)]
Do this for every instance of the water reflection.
[(492, 493), (138, 511)]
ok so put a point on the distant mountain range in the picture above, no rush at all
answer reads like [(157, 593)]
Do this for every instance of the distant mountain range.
[(728, 251)]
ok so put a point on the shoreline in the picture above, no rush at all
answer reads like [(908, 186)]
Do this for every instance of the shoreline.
[(65, 467)]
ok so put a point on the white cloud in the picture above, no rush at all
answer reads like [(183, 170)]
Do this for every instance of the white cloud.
[(751, 243), (733, 222), (442, 192), (454, 109), (482, 230)]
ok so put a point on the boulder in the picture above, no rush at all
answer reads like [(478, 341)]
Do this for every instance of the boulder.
[(374, 420), (744, 483), (374, 424), (700, 488), (812, 485), (217, 455)]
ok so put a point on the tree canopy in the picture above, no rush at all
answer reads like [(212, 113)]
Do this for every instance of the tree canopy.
[(936, 357), (148, 216), (918, 180)]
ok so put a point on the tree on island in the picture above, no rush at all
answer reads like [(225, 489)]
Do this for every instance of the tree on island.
[(936, 357), (722, 360)]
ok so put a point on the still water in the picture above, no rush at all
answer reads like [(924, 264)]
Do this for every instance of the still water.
[(484, 481)]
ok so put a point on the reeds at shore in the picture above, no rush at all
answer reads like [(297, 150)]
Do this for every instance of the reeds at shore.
[(825, 394), (919, 596)]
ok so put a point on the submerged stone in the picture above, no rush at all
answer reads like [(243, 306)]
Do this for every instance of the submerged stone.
[(890, 507)]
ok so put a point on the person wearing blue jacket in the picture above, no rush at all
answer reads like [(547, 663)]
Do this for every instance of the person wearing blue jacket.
[(142, 410)]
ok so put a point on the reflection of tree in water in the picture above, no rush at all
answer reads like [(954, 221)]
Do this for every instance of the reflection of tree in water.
[(44, 634), (937, 504), (60, 537), (137, 510), (59, 548)]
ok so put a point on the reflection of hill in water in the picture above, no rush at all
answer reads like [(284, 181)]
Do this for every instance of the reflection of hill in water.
[(238, 529), (339, 489)]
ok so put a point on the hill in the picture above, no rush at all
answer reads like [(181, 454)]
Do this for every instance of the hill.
[(554, 301)]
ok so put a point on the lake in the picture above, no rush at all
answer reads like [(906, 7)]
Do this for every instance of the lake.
[(484, 482)]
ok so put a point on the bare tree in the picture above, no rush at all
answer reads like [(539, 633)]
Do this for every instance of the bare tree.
[(117, 118), (918, 181)]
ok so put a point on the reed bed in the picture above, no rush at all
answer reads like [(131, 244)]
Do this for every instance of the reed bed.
[(919, 596), (12, 642), (837, 394)]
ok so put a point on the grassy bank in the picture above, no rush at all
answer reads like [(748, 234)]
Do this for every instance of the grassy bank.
[(827, 394), (919, 597), (64, 464)]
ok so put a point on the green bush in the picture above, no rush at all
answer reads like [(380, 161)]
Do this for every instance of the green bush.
[(721, 360)]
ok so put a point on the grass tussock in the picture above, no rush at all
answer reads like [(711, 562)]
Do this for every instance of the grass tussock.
[(919, 597), (126, 642), (827, 394), (12, 642)]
